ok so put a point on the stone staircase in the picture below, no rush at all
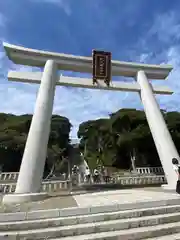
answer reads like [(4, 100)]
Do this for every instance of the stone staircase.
[(143, 220)]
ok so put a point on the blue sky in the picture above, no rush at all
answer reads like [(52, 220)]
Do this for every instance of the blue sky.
[(133, 30)]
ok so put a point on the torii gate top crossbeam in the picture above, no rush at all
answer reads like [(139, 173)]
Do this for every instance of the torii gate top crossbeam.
[(32, 57)]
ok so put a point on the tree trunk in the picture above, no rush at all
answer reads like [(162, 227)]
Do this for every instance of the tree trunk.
[(133, 158), (51, 172)]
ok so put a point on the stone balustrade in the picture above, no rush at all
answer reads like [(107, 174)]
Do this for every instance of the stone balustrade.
[(7, 187), (141, 180), (9, 176), (55, 186), (48, 186), (13, 176), (150, 170)]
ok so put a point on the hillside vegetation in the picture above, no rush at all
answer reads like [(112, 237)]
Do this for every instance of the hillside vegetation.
[(122, 137), (114, 141)]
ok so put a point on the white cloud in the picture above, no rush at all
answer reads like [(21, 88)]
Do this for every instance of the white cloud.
[(80, 105), (14, 97), (173, 81), (63, 4), (83, 104), (166, 27)]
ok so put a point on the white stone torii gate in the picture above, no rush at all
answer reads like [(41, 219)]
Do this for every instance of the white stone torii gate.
[(31, 171)]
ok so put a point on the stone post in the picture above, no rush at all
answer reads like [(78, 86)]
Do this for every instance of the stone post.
[(162, 138), (33, 162)]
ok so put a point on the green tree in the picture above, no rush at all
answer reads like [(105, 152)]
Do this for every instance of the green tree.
[(123, 137), (13, 135)]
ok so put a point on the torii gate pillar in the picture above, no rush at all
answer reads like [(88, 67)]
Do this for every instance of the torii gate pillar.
[(28, 187), (162, 138)]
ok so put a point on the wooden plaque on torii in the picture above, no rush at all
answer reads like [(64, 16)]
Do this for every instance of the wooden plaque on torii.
[(101, 66)]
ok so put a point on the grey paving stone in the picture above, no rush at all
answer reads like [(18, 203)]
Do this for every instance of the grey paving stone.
[(50, 203)]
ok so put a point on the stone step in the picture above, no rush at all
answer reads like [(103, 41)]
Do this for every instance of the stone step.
[(175, 236), (81, 219), (134, 224), (159, 232), (77, 211)]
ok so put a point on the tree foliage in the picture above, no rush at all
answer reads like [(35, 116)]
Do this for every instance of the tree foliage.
[(115, 141), (13, 134), (125, 136)]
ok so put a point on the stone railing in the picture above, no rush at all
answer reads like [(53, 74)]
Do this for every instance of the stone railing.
[(48, 186), (150, 170), (7, 187), (13, 176), (140, 180), (9, 176), (55, 186)]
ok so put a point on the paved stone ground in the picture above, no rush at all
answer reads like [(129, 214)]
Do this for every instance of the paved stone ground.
[(124, 196), (57, 200), (65, 199)]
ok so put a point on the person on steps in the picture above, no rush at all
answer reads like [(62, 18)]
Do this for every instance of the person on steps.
[(176, 167), (87, 175)]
